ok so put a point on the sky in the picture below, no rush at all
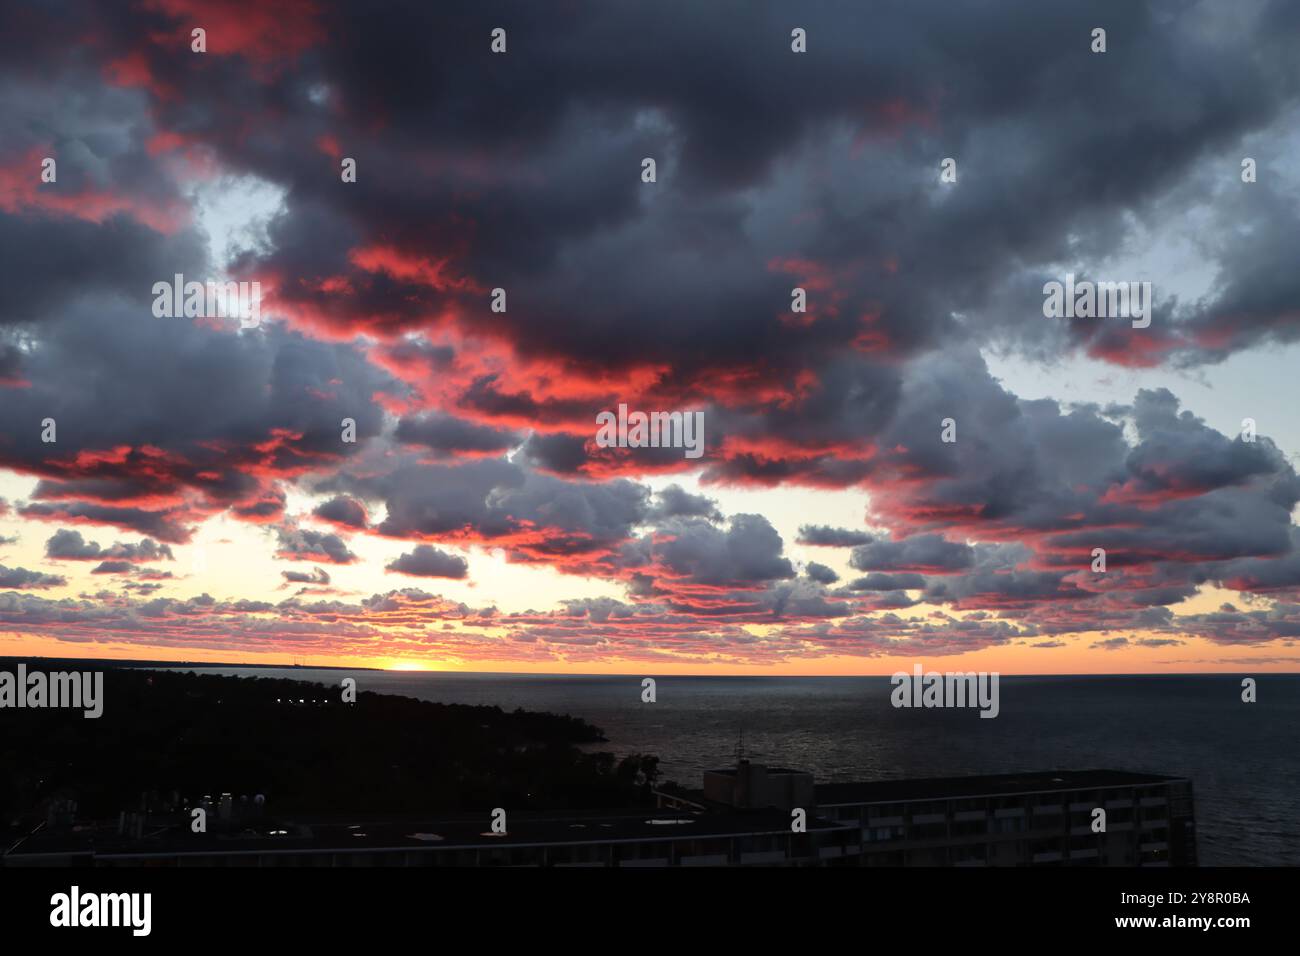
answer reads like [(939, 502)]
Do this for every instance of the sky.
[(400, 466)]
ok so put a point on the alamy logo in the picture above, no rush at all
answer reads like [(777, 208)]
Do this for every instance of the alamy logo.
[(953, 689), (1102, 300), (655, 430), (212, 300), (36, 689), (103, 909)]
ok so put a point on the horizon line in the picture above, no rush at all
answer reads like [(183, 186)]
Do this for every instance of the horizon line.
[(397, 670)]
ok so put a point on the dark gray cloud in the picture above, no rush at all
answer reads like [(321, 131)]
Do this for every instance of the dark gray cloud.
[(315, 576), (344, 511), (304, 544), (926, 553), (821, 573), (833, 537), (675, 502), (430, 562), (748, 551), (66, 544), (23, 579), (887, 582), (447, 435)]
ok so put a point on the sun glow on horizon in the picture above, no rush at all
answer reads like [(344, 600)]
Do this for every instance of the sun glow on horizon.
[(407, 665)]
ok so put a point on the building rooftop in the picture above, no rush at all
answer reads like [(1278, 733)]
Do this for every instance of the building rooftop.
[(170, 835), (770, 771), (940, 788), (458, 832)]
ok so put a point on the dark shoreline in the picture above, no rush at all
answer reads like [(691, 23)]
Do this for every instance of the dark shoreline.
[(170, 739), (155, 665)]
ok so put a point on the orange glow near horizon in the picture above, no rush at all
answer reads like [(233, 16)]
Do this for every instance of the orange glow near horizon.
[(1195, 657)]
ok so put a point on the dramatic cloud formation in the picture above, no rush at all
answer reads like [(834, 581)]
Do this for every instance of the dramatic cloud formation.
[(387, 408)]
